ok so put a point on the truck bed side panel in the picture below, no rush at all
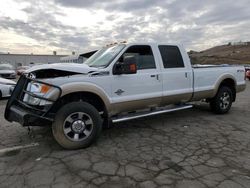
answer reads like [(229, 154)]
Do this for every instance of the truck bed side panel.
[(207, 80)]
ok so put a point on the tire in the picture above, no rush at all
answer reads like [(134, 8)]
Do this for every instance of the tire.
[(0, 95), (222, 102), (77, 125)]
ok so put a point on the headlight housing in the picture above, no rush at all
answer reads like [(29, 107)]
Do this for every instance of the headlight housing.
[(39, 94), (39, 88)]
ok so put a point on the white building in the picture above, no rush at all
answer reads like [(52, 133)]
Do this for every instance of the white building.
[(77, 58), (28, 59)]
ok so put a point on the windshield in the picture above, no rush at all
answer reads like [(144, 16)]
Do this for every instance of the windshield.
[(104, 56), (6, 67)]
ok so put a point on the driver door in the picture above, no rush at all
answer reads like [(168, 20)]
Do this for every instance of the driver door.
[(141, 90)]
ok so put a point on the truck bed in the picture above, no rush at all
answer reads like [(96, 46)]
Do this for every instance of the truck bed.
[(207, 78)]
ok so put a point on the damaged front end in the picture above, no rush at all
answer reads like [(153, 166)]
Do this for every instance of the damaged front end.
[(30, 103), (33, 98)]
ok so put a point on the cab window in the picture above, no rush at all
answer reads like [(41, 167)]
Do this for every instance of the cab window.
[(171, 56), (143, 55)]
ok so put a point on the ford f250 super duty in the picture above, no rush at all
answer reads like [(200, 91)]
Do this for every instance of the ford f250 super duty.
[(118, 83)]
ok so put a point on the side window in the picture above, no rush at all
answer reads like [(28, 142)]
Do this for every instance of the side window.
[(171, 56), (143, 54)]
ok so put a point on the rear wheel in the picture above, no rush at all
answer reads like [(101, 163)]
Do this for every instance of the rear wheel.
[(222, 102), (77, 125)]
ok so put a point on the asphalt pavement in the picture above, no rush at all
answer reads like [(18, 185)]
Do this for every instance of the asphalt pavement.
[(190, 148)]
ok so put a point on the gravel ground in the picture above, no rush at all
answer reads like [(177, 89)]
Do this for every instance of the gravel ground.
[(191, 148)]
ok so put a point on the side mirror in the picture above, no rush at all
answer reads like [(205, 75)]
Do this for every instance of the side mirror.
[(128, 66)]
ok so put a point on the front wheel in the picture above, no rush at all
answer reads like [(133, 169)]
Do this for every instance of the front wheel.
[(77, 125), (222, 102)]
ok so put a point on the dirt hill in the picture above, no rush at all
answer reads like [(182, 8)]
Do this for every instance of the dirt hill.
[(237, 53)]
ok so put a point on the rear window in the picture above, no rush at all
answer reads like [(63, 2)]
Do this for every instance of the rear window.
[(171, 56)]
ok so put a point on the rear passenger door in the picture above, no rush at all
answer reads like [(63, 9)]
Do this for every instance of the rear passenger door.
[(177, 78), (140, 90)]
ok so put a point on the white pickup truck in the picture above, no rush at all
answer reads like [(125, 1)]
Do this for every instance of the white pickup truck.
[(118, 83)]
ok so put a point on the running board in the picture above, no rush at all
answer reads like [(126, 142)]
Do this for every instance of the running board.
[(150, 113)]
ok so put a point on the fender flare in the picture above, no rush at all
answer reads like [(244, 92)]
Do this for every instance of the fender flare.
[(221, 79), (86, 87)]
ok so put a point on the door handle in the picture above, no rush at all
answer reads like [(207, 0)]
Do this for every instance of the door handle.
[(155, 76), (186, 74)]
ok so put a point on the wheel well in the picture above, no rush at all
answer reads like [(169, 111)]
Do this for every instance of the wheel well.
[(231, 84), (89, 97)]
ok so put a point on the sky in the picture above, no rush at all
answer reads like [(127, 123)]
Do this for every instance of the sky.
[(41, 26)]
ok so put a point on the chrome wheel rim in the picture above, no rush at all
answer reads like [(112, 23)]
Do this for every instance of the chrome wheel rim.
[(78, 126), (224, 101)]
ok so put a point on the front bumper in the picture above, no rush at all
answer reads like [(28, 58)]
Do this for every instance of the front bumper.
[(26, 118), (27, 115)]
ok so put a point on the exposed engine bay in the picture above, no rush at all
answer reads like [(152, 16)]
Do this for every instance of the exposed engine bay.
[(51, 73)]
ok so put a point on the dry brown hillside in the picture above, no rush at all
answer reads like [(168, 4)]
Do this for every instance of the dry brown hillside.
[(238, 53)]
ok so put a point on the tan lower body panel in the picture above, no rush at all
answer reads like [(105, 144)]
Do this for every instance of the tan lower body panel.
[(240, 88), (148, 103), (135, 105), (199, 95), (165, 100), (172, 99), (211, 93)]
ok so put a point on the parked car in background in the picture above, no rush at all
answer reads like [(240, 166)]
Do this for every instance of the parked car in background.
[(247, 70), (248, 74), (20, 70), (6, 87), (7, 71)]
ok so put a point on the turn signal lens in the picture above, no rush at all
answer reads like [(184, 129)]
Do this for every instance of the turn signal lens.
[(45, 88)]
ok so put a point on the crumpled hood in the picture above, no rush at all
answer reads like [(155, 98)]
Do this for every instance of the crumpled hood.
[(71, 67)]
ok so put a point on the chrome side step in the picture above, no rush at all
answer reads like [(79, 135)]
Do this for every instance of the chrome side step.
[(150, 113)]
